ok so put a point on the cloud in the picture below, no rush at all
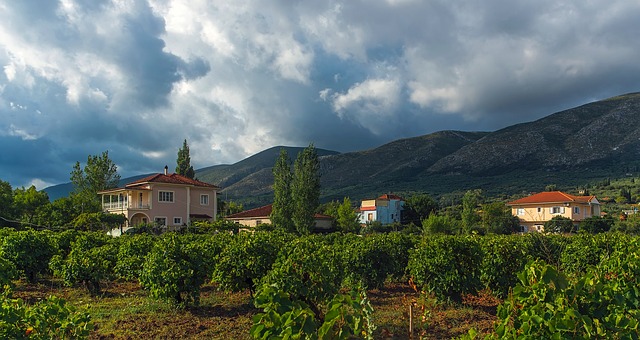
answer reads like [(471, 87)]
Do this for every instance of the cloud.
[(79, 77)]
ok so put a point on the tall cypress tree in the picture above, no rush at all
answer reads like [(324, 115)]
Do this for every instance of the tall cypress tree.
[(281, 214), (305, 189), (184, 167)]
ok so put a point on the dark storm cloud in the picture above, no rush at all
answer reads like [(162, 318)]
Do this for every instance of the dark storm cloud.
[(79, 77)]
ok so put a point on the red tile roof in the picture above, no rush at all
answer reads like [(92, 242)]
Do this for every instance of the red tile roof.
[(390, 197), (171, 179), (265, 212), (552, 197), (368, 208)]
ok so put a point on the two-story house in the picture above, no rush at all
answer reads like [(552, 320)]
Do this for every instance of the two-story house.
[(533, 211), (170, 200), (386, 209)]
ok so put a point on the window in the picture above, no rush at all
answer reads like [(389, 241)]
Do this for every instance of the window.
[(370, 217), (161, 221), (576, 210), (539, 209), (520, 211), (204, 199), (165, 196), (177, 221), (557, 210)]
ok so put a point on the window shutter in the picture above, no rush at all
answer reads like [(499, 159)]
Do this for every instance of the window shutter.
[(562, 210)]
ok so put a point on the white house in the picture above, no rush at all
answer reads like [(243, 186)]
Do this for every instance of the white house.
[(385, 209)]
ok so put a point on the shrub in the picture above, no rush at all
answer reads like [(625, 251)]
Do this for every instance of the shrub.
[(503, 258), (560, 224), (446, 266), (596, 224), (132, 250), (30, 251), (91, 261), (247, 258), (7, 271), (547, 248), (173, 271), (52, 318), (586, 250)]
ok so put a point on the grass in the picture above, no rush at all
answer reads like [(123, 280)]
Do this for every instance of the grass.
[(124, 311)]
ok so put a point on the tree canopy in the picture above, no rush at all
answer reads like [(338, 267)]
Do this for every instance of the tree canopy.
[(100, 173), (305, 189), (184, 167), (282, 209)]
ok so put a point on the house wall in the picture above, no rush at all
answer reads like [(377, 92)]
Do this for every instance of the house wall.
[(534, 216), (183, 197)]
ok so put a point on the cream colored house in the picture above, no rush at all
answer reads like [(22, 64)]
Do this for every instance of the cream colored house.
[(169, 200), (254, 217), (533, 211)]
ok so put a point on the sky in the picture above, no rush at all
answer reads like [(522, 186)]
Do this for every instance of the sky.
[(233, 78)]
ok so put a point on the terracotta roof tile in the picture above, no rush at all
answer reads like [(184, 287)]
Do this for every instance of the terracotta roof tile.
[(390, 197), (552, 197), (265, 211), (171, 179)]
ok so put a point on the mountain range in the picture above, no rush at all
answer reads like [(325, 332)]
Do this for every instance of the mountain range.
[(569, 148)]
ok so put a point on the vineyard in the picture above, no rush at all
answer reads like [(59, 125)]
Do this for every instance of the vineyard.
[(274, 284)]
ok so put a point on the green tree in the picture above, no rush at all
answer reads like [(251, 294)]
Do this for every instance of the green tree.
[(347, 218), (497, 219), (305, 189), (596, 224), (440, 224), (58, 214), (470, 202), (100, 173), (184, 167), (27, 201), (6, 201), (559, 224), (282, 210), (417, 208)]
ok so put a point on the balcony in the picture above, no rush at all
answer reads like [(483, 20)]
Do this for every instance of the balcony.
[(110, 206)]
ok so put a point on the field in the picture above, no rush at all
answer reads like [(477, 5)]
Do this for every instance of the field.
[(124, 311)]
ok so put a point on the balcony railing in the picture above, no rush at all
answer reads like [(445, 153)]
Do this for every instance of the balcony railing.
[(123, 206)]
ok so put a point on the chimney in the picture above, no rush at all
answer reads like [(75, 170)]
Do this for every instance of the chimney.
[(166, 170)]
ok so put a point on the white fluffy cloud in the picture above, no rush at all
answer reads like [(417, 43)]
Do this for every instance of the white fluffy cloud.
[(137, 77)]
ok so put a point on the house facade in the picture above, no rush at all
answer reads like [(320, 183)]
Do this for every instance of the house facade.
[(386, 209), (169, 200), (254, 217), (533, 211)]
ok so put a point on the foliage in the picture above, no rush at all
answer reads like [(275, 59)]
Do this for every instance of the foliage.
[(91, 261), (247, 258), (27, 201), (446, 266), (503, 257), (184, 167), (604, 303), (132, 250), (282, 208), (30, 252), (347, 218), (96, 221), (173, 271), (57, 214), (348, 316), (587, 250), (52, 318), (99, 173), (547, 248), (418, 207), (305, 189), (309, 270), (559, 224), (440, 224), (8, 271), (470, 202), (6, 201), (217, 226), (630, 225), (497, 219), (596, 224)]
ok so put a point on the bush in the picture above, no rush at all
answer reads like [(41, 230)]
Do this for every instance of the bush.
[(247, 258), (52, 318), (30, 251), (446, 266), (173, 271), (7, 271), (503, 258), (91, 261), (586, 250), (132, 250), (559, 224), (547, 248), (349, 316), (596, 224)]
